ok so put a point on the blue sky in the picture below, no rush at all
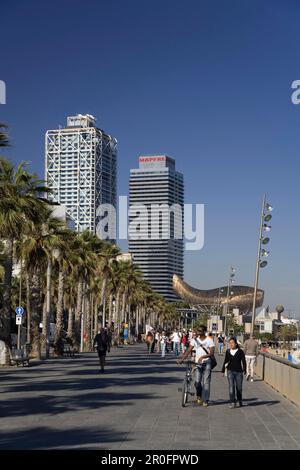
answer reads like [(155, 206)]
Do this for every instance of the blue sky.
[(206, 82)]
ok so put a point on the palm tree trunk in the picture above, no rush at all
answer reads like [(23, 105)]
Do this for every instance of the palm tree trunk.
[(78, 311), (137, 312), (117, 308), (70, 332), (47, 311), (7, 287), (117, 316), (87, 329), (128, 318), (59, 312), (124, 306), (95, 317), (36, 314), (110, 309), (103, 298), (93, 300), (28, 307), (82, 323)]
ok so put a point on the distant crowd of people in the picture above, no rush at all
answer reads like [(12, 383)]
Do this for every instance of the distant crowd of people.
[(200, 346)]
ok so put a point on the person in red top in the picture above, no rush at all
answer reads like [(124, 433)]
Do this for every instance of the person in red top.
[(183, 341), (265, 348)]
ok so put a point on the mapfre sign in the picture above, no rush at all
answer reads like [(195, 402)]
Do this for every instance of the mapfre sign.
[(160, 158)]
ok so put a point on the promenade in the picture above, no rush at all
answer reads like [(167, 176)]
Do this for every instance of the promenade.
[(67, 404)]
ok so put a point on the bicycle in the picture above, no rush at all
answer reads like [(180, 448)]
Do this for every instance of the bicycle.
[(187, 383)]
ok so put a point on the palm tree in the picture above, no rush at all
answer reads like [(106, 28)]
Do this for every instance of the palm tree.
[(64, 259), (70, 285), (37, 250), (87, 248), (96, 287), (19, 205), (134, 278), (108, 255), (4, 141)]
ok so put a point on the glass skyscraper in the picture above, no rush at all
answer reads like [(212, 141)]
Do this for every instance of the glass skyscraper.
[(81, 169), (155, 246)]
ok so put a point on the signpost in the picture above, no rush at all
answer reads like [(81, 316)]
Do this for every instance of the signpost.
[(19, 310), (19, 317)]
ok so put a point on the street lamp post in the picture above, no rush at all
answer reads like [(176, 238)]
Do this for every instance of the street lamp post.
[(265, 217), (230, 282), (218, 304)]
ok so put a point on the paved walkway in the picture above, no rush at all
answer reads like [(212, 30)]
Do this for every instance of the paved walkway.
[(67, 404)]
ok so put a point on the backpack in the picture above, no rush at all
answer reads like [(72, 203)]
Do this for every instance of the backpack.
[(213, 360), (102, 343)]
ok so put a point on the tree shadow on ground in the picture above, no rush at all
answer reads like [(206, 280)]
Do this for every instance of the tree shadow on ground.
[(94, 381), (46, 437), (53, 405)]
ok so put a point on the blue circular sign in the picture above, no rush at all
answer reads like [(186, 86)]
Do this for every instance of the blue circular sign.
[(19, 310)]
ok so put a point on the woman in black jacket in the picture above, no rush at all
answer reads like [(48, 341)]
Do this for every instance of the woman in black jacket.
[(235, 365)]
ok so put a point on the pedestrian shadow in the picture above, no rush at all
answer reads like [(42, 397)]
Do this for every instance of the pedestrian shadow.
[(264, 402), (247, 402), (222, 401)]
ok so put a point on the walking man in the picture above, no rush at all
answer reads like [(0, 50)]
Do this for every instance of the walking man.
[(149, 340), (163, 343), (220, 344), (204, 350), (101, 342), (251, 352), (175, 338), (153, 344)]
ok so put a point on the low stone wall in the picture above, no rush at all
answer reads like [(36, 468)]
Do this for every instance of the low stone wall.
[(281, 374)]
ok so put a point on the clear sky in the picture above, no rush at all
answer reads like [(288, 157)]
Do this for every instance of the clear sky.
[(206, 82)]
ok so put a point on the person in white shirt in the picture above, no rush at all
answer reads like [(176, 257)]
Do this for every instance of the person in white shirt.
[(163, 343), (204, 348), (175, 338)]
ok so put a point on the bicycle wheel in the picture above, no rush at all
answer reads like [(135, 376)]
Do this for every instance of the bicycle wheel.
[(184, 397)]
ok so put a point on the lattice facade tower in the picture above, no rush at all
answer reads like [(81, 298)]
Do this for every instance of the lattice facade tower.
[(81, 169)]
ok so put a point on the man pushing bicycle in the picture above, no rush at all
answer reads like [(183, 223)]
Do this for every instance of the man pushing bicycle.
[(204, 349)]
